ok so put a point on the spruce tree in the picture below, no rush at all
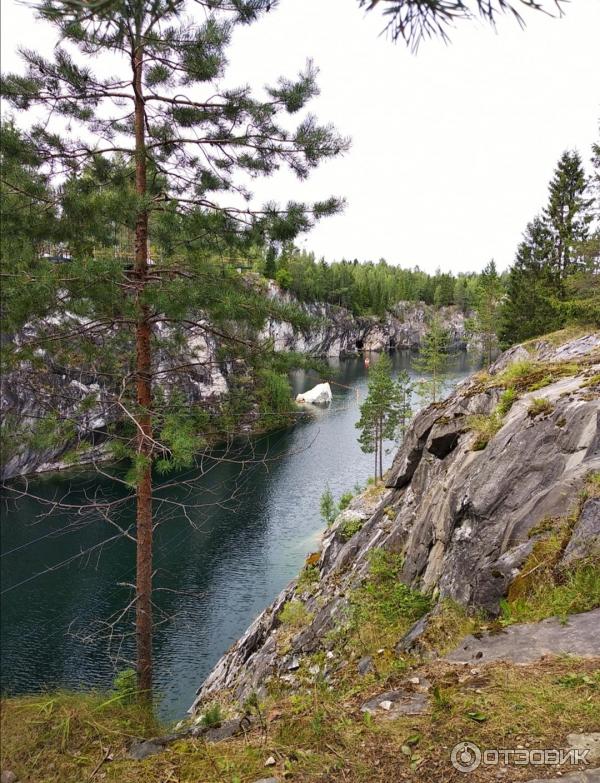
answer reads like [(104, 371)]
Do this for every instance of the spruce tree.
[(531, 306), (567, 216), (189, 146)]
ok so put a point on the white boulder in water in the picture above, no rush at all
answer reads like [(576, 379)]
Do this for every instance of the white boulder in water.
[(319, 395)]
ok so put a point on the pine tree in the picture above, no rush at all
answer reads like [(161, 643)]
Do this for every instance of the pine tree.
[(164, 119), (385, 412), (433, 361)]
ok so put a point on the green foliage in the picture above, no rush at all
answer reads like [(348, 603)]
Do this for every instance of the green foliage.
[(328, 506), (125, 686), (385, 595), (507, 399), (554, 279), (309, 576), (275, 397), (516, 372), (366, 289), (556, 593), (539, 405), (213, 716), (294, 614), (345, 500), (349, 528), (433, 361), (386, 410), (485, 427), (489, 293)]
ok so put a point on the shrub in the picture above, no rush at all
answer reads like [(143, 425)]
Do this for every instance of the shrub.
[(294, 614), (125, 686), (308, 576), (349, 528), (485, 427), (539, 405), (345, 500), (213, 716)]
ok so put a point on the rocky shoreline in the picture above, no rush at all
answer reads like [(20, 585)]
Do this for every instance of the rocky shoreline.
[(464, 519)]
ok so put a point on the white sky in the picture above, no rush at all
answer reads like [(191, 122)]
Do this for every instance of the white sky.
[(452, 148)]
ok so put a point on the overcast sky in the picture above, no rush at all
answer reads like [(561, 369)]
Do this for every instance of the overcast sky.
[(452, 148)]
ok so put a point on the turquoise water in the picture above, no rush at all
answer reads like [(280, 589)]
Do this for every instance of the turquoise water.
[(249, 524)]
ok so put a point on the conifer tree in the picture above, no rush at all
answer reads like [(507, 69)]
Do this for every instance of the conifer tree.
[(385, 412), (531, 307), (433, 361), (567, 216), (186, 147), (486, 323)]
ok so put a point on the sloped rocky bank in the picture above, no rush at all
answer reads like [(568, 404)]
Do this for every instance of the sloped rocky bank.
[(479, 479)]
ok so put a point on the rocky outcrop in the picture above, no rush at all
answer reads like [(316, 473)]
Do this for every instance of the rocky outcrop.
[(464, 520), (87, 402), (29, 393), (335, 331)]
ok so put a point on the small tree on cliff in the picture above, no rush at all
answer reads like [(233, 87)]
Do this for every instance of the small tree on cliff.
[(165, 139), (386, 410), (433, 361), (486, 324)]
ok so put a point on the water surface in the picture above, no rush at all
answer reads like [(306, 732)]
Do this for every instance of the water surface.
[(246, 532)]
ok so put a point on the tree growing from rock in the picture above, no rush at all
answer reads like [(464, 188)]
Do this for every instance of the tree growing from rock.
[(132, 103), (386, 410)]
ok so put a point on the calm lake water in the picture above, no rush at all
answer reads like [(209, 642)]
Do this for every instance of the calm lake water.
[(215, 570)]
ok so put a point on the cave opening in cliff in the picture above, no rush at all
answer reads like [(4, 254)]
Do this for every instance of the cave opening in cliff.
[(360, 344)]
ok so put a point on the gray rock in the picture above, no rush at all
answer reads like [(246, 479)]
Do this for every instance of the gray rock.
[(585, 538), (460, 519), (365, 665), (267, 780), (8, 776), (142, 750), (589, 742), (530, 641), (392, 704), (227, 729)]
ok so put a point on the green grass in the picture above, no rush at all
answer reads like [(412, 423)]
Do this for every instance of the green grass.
[(539, 406), (484, 427), (507, 400), (295, 614)]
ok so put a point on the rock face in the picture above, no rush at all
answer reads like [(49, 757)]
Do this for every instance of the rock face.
[(462, 519), (335, 331), (27, 394), (30, 392)]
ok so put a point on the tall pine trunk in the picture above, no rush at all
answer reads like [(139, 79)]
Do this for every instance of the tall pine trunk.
[(143, 357), (376, 451), (380, 447)]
